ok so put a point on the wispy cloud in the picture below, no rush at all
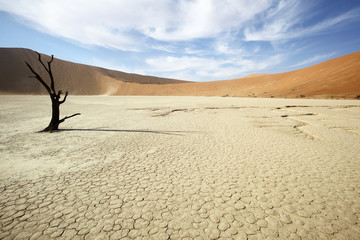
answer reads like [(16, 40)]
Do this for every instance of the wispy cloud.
[(135, 25), (288, 21), (203, 19), (127, 25), (314, 59), (199, 39), (209, 69)]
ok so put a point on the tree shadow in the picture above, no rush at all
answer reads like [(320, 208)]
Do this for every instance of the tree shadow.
[(177, 133)]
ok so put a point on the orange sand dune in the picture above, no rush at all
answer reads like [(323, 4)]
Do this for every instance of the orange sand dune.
[(339, 77)]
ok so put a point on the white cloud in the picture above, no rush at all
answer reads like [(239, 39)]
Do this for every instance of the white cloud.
[(126, 25), (226, 46), (110, 65), (209, 39), (129, 25), (137, 25), (205, 18), (209, 69), (170, 63)]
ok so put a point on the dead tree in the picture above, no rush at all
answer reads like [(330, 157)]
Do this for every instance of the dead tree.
[(54, 96)]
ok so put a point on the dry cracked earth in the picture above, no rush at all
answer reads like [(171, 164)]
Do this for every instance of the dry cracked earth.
[(143, 169)]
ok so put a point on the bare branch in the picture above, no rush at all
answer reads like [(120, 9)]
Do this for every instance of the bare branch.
[(67, 117), (52, 58), (40, 60), (48, 69), (59, 94), (51, 75), (37, 76), (66, 94)]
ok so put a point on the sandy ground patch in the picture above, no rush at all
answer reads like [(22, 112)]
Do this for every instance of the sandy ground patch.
[(180, 167)]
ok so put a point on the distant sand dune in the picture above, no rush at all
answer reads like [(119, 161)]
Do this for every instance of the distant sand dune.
[(79, 79), (336, 78)]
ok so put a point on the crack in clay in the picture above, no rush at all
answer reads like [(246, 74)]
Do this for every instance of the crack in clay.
[(299, 115), (163, 114), (320, 106), (230, 180), (299, 128), (351, 130), (167, 111)]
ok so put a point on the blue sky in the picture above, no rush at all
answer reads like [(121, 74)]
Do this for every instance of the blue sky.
[(196, 40)]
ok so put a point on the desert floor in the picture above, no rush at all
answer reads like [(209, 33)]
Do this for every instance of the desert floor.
[(180, 167)]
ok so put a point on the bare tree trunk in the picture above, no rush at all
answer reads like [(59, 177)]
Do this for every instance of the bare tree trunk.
[(55, 97), (55, 119)]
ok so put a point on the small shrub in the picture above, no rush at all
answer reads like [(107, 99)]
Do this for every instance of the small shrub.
[(358, 97)]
